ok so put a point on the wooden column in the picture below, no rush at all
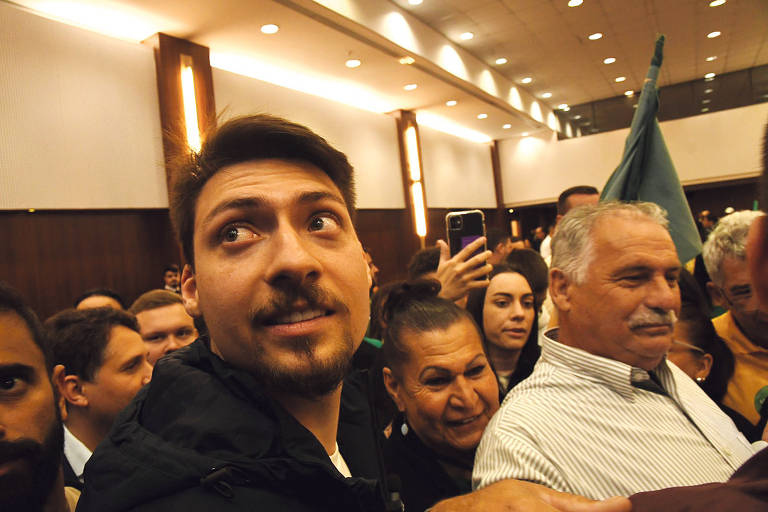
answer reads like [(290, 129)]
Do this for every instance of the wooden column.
[(501, 213), (405, 120)]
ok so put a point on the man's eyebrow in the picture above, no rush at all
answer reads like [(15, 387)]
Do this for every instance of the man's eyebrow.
[(16, 369), (234, 204), (741, 288), (320, 195)]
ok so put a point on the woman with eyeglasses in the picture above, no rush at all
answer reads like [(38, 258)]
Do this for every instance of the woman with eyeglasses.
[(702, 354)]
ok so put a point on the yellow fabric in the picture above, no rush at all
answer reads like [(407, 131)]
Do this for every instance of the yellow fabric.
[(72, 495), (750, 374)]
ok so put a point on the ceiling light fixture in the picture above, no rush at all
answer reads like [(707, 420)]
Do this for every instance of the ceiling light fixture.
[(709, 76), (706, 101), (714, 34), (482, 116), (415, 2), (629, 93), (410, 87), (619, 79), (710, 59), (525, 134), (564, 107), (595, 36), (407, 60), (269, 28), (466, 36), (715, 3), (575, 3), (507, 126), (609, 60), (577, 116), (526, 80), (705, 109), (546, 95), (708, 91), (353, 63), (451, 103), (501, 61)]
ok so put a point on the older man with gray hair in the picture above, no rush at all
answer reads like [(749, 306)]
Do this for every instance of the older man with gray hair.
[(603, 412), (744, 327)]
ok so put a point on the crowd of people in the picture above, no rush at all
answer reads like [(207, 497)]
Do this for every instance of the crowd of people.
[(275, 372)]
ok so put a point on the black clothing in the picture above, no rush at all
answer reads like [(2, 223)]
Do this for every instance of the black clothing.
[(423, 475), (70, 478), (202, 437)]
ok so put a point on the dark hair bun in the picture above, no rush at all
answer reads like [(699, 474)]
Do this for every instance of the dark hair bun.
[(404, 295)]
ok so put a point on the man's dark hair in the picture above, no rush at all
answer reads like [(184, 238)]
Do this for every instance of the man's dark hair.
[(11, 301), (245, 139), (154, 299), (79, 337), (104, 292), (495, 237), (171, 267), (530, 264), (562, 201), (423, 262)]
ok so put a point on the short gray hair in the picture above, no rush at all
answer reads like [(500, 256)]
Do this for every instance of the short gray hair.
[(572, 243), (727, 239)]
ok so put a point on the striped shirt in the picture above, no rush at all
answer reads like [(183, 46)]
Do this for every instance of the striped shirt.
[(579, 425)]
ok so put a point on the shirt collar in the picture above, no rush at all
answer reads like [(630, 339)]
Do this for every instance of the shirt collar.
[(76, 452), (614, 374)]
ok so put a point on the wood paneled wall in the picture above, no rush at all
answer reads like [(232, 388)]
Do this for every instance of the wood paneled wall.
[(51, 257)]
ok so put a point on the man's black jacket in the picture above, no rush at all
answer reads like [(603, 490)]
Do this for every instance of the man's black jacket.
[(201, 436)]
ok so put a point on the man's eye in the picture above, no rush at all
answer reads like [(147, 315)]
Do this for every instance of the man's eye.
[(9, 383), (155, 338), (323, 222), (233, 234), (184, 333)]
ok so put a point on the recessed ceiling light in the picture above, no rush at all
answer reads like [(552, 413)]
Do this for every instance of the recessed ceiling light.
[(587, 123), (451, 103), (501, 61), (609, 60), (352, 63), (407, 60), (575, 3), (708, 91), (629, 93), (466, 36), (410, 87), (710, 59), (709, 76), (705, 109), (595, 36), (577, 116), (714, 34), (525, 134), (546, 95), (415, 2), (564, 107), (269, 28), (482, 116), (507, 126), (715, 3), (527, 80), (706, 101), (619, 79)]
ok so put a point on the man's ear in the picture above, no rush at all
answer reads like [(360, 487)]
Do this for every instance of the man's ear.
[(70, 388), (393, 388), (560, 289), (189, 291), (716, 294)]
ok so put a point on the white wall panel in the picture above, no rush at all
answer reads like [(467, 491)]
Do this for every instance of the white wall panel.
[(80, 123), (712, 147), (368, 139), (457, 173)]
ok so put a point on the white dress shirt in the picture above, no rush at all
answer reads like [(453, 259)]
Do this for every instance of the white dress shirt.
[(76, 453)]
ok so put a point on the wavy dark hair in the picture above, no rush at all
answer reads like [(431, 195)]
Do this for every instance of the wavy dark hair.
[(531, 351)]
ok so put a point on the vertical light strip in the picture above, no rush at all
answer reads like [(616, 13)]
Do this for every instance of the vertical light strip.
[(417, 195), (412, 150), (190, 105)]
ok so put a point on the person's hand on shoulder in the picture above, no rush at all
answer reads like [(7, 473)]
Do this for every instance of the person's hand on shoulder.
[(459, 275), (519, 496)]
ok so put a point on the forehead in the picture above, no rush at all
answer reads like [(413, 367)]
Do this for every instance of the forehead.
[(624, 241), (16, 343), (123, 343), (508, 282), (452, 347), (575, 200), (170, 315)]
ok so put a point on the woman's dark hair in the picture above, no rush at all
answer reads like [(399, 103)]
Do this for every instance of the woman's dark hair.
[(531, 351), (377, 325), (694, 313), (415, 307), (529, 264)]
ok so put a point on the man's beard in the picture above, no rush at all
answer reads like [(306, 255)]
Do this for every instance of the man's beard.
[(28, 489), (318, 377)]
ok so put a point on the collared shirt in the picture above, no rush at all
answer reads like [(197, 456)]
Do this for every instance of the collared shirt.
[(76, 453), (748, 387), (578, 424)]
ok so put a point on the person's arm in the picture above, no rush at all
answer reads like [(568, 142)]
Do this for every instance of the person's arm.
[(519, 496), (460, 274)]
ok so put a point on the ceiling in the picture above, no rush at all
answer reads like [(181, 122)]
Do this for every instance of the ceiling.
[(542, 39)]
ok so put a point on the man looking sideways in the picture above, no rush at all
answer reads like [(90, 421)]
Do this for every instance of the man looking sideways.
[(163, 322)]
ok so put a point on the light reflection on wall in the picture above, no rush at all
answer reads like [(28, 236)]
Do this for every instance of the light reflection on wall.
[(529, 149), (446, 126), (536, 112), (450, 60), (552, 122), (396, 29), (487, 83), (514, 98)]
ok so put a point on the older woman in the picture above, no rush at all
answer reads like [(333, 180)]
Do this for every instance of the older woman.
[(506, 312), (437, 373)]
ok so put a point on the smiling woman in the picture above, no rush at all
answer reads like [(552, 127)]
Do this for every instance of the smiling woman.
[(437, 373)]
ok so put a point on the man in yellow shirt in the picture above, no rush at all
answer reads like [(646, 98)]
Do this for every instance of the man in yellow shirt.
[(744, 327)]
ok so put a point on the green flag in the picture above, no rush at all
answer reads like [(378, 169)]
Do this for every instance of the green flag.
[(646, 171)]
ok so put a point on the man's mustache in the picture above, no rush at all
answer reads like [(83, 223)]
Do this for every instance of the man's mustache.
[(21, 449), (647, 316), (285, 299)]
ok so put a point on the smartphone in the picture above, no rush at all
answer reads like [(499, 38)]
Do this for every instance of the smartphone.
[(463, 228)]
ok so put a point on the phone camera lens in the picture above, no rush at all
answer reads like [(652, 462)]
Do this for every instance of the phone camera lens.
[(456, 222)]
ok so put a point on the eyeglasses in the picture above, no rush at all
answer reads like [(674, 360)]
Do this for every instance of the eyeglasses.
[(688, 346)]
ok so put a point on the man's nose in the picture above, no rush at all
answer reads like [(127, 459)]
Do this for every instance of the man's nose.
[(291, 258), (663, 294)]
